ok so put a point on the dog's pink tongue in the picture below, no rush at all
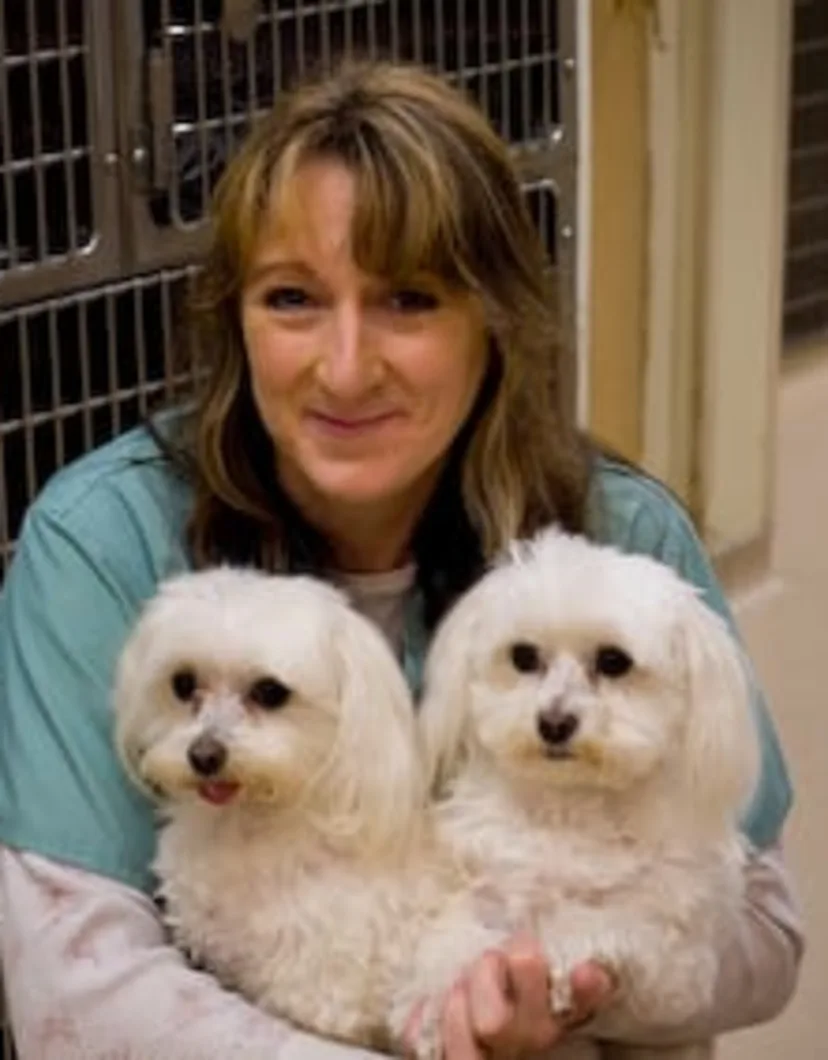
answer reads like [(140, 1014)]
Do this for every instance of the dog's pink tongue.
[(218, 792)]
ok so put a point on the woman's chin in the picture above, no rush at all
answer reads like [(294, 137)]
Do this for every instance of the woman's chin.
[(368, 490), (379, 484)]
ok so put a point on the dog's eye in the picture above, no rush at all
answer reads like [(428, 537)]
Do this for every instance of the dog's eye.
[(525, 657), (268, 693), (184, 685), (612, 662)]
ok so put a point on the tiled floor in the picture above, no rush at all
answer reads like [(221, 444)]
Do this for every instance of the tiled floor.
[(786, 624)]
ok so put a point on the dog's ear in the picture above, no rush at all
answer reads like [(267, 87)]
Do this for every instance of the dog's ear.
[(721, 750), (131, 701), (444, 712), (377, 767)]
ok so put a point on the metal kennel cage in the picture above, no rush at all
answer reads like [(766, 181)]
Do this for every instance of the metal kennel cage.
[(116, 118), (806, 260)]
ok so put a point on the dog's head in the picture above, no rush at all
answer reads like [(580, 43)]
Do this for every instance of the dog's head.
[(237, 686), (584, 667)]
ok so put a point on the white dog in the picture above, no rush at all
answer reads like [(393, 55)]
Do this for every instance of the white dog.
[(587, 725), (275, 726)]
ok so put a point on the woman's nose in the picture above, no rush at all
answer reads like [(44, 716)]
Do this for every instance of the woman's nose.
[(349, 366)]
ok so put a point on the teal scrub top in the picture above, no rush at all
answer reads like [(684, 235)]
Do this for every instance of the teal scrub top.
[(94, 547)]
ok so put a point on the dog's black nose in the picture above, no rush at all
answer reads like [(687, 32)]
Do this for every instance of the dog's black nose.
[(556, 727), (207, 755)]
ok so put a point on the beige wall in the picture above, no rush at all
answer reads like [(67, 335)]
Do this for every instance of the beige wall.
[(741, 331), (689, 134), (619, 206), (678, 106)]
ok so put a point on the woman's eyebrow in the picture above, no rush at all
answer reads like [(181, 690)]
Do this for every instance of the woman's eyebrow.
[(281, 266)]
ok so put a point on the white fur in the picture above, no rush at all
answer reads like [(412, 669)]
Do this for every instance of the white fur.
[(627, 850), (317, 892), (300, 892)]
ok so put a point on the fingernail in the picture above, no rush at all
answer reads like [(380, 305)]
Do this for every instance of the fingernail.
[(572, 1021)]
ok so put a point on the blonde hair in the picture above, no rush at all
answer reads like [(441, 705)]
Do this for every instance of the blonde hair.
[(436, 192)]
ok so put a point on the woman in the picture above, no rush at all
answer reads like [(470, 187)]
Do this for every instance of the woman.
[(379, 402)]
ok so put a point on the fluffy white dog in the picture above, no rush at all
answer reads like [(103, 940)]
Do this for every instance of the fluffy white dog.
[(587, 724), (275, 726)]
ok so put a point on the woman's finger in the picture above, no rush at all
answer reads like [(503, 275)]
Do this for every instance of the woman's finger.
[(501, 1007), (592, 987), (459, 1042), (535, 1025), (491, 1004), (413, 1025)]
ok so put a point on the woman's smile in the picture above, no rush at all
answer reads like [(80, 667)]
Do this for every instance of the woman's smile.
[(353, 426)]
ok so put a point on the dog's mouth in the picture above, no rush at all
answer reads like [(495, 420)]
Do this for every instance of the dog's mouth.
[(559, 754), (218, 792), (584, 752)]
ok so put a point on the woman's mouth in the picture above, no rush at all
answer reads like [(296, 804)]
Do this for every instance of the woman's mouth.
[(350, 426)]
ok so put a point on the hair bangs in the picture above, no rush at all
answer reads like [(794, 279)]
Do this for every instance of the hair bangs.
[(406, 215), (271, 195)]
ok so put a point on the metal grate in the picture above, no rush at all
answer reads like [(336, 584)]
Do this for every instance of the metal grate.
[(57, 202), (806, 264), (68, 385), (45, 149), (206, 85)]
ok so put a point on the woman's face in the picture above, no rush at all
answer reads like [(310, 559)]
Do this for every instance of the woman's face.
[(362, 385)]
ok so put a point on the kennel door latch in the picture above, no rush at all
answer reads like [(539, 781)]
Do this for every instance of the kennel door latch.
[(160, 105)]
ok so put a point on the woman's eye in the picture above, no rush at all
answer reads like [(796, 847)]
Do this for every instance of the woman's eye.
[(413, 300), (281, 298)]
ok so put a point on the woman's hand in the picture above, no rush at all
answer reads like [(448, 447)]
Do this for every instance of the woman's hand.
[(500, 1008)]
